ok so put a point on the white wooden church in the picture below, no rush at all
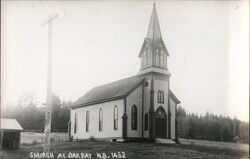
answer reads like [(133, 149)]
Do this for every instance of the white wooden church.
[(139, 107)]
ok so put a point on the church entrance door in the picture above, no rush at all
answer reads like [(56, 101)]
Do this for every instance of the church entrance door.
[(160, 123)]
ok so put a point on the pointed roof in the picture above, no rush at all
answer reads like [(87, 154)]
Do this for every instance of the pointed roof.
[(154, 31)]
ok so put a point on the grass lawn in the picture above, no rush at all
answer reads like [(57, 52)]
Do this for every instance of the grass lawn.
[(132, 150)]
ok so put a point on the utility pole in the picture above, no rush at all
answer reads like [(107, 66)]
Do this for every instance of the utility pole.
[(47, 128)]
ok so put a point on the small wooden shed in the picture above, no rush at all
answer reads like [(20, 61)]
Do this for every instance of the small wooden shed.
[(10, 134)]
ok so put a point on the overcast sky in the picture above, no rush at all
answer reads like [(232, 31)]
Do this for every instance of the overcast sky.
[(98, 42)]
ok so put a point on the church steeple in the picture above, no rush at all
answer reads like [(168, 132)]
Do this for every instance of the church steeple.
[(154, 53), (154, 31)]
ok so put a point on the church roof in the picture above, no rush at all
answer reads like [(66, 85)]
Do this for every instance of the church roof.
[(154, 31), (107, 92), (174, 97)]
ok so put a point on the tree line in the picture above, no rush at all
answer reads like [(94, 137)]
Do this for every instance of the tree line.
[(31, 115), (211, 127)]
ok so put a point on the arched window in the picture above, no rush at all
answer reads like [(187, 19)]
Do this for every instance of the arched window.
[(144, 59), (156, 57), (134, 117), (149, 57), (160, 112), (146, 53), (160, 58), (164, 60), (100, 119), (160, 96), (76, 124), (142, 65), (146, 122), (115, 118), (87, 121)]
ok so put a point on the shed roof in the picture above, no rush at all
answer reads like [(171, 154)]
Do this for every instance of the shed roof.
[(10, 125), (110, 91)]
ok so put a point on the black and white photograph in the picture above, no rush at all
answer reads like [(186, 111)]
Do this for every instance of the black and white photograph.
[(124, 79)]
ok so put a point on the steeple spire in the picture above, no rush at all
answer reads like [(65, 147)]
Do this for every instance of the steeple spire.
[(154, 31), (153, 52)]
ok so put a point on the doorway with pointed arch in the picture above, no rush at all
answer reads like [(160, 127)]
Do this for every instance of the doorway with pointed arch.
[(160, 123)]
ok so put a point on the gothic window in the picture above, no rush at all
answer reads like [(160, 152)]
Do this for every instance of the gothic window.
[(146, 84), (142, 65), (144, 60), (87, 121), (160, 58), (146, 122), (160, 113), (115, 118), (149, 57), (160, 96), (134, 118), (76, 124), (164, 59), (100, 119), (157, 58)]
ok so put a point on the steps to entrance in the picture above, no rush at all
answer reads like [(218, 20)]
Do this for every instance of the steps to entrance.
[(164, 141)]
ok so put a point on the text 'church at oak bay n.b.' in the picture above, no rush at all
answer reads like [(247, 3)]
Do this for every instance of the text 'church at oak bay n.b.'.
[(141, 107)]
